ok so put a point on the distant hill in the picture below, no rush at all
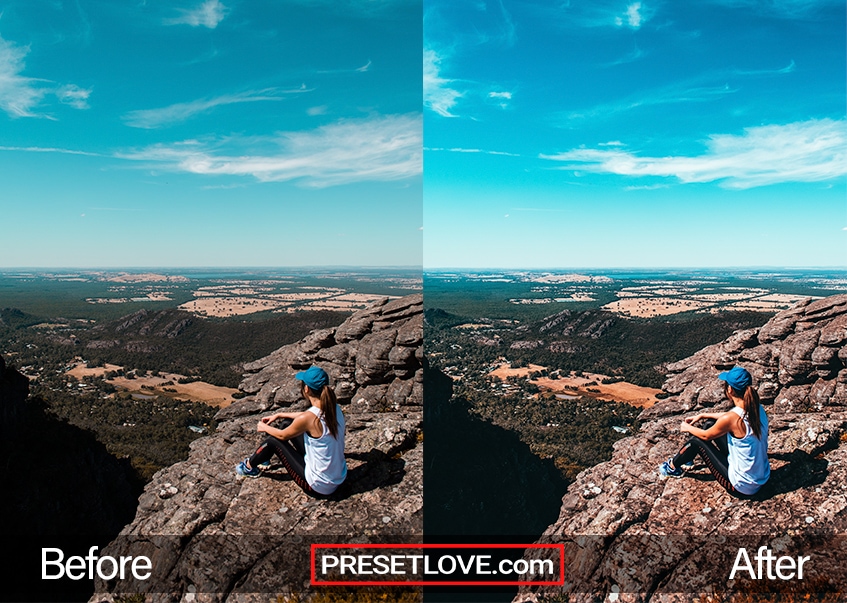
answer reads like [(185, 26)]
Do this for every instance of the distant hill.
[(14, 318)]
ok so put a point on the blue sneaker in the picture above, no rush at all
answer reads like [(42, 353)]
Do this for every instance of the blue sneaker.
[(242, 470), (666, 471)]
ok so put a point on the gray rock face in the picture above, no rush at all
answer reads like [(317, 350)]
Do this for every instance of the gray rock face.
[(628, 531), (227, 538)]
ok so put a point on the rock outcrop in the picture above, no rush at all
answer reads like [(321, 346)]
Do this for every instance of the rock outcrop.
[(629, 533), (233, 538)]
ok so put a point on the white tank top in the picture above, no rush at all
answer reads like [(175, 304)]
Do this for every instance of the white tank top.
[(325, 464), (749, 468)]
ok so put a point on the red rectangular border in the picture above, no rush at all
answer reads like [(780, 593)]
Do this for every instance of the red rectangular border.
[(559, 582)]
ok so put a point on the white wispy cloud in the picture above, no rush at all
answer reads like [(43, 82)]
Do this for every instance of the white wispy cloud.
[(702, 88), (602, 13), (20, 95), (807, 151), (209, 14), (465, 150), (74, 96), (382, 148), (500, 98), (438, 94), (49, 150), (179, 112), (676, 93), (632, 17)]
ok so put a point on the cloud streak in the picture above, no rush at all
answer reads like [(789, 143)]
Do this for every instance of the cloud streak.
[(808, 151), (18, 94), (209, 14), (21, 95), (50, 150), (179, 112), (464, 150), (438, 93), (383, 148), (699, 89)]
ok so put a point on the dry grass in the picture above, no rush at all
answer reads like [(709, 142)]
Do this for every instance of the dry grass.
[(649, 307), (622, 391), (198, 391)]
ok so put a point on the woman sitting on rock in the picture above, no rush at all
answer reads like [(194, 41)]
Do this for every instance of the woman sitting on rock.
[(310, 444), (735, 446)]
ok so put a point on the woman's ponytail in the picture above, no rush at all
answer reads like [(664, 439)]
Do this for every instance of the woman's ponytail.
[(751, 409), (328, 407)]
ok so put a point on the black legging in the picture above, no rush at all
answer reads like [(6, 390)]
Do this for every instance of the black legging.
[(291, 452), (716, 455)]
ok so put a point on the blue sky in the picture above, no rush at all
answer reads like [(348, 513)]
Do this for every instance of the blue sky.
[(210, 133), (607, 133)]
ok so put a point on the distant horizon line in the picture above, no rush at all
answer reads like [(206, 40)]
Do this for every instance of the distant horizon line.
[(623, 268), (194, 268)]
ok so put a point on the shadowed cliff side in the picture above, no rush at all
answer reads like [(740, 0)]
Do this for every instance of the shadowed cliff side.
[(481, 480), (641, 538), (60, 486), (227, 538)]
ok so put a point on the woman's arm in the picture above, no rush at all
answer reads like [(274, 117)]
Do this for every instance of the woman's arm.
[(280, 415), (299, 424), (722, 425), (704, 415)]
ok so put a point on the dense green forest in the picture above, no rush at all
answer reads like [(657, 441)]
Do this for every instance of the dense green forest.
[(151, 432), (576, 434)]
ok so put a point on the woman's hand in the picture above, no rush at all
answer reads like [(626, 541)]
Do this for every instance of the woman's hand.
[(263, 425), (685, 426), (694, 419), (268, 420)]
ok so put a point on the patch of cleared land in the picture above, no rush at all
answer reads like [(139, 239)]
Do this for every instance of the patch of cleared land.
[(298, 297), (336, 303), (198, 391), (570, 278), (648, 307), (148, 277), (721, 297), (576, 297), (643, 397), (769, 302), (154, 296), (230, 306)]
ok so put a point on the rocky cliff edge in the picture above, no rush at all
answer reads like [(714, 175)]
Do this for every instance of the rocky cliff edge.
[(633, 536), (217, 537)]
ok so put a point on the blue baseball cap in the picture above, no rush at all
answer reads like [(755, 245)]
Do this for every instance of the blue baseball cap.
[(315, 377), (737, 378)]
